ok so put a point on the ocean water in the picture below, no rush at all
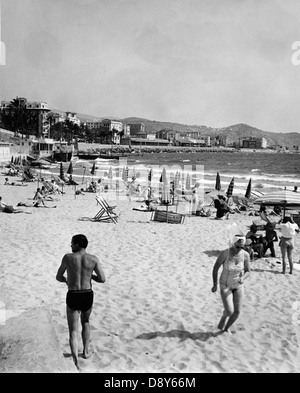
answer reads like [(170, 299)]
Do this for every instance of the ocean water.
[(267, 170)]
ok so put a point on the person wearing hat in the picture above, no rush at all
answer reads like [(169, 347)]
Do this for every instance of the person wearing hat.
[(236, 268)]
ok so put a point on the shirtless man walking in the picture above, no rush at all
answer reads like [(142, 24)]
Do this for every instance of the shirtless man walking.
[(80, 267)]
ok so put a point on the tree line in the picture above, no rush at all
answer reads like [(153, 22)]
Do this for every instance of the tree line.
[(29, 122)]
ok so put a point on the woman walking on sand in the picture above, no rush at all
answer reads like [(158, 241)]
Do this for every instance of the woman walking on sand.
[(236, 268), (288, 231)]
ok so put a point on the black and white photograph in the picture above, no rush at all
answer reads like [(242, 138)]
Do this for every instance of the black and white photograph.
[(149, 189)]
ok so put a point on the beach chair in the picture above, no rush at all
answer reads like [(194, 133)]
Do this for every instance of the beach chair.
[(106, 212), (166, 216)]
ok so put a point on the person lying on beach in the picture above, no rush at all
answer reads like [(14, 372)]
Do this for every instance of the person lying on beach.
[(236, 268), (4, 208), (7, 183), (80, 267)]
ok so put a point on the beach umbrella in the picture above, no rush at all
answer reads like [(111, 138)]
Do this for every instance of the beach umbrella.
[(125, 174), (133, 175), (166, 195), (176, 180), (230, 188), (70, 169), (188, 182), (248, 191), (110, 175), (61, 172), (150, 176), (286, 199), (93, 170), (218, 182)]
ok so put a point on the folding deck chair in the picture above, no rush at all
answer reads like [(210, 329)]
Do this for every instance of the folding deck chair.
[(106, 212)]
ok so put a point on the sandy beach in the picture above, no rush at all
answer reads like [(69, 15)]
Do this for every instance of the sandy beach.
[(156, 312)]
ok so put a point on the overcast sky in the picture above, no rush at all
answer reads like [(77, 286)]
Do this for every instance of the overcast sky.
[(205, 62)]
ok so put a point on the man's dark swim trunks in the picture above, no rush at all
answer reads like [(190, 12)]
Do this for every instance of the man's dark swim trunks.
[(80, 300)]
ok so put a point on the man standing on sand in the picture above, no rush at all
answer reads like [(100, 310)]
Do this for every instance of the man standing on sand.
[(80, 267)]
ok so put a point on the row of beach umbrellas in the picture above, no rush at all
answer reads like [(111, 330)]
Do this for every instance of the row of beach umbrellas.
[(230, 188)]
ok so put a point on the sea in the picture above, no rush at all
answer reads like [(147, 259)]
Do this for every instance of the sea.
[(267, 171)]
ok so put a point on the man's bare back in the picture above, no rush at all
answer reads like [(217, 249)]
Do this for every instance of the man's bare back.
[(79, 266)]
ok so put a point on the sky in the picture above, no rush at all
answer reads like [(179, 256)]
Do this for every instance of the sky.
[(197, 62)]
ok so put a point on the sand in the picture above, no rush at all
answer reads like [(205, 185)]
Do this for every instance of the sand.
[(156, 312)]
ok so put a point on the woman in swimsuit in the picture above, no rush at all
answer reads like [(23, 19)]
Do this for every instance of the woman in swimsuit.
[(236, 268)]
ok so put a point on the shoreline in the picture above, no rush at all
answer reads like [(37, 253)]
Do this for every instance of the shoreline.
[(124, 149)]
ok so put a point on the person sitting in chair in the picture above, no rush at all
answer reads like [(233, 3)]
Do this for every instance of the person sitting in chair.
[(222, 207)]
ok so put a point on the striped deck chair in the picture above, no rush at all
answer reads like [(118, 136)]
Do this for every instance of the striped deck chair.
[(106, 212)]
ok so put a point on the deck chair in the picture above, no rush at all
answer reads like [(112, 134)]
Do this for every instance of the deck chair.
[(106, 212), (166, 216)]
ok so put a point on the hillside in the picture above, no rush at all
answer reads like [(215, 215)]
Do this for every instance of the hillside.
[(234, 132)]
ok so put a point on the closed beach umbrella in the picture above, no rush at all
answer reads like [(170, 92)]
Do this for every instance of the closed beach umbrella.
[(61, 172), (125, 174), (166, 195), (150, 176), (248, 191), (230, 188), (288, 200), (93, 170), (188, 182), (70, 169), (218, 182), (133, 174), (176, 180), (110, 175)]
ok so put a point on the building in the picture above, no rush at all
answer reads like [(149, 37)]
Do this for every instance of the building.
[(93, 124), (55, 118), (43, 125), (72, 118), (5, 153), (253, 143), (115, 127), (137, 130)]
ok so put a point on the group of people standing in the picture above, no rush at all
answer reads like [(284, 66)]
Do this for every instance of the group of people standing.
[(235, 263)]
